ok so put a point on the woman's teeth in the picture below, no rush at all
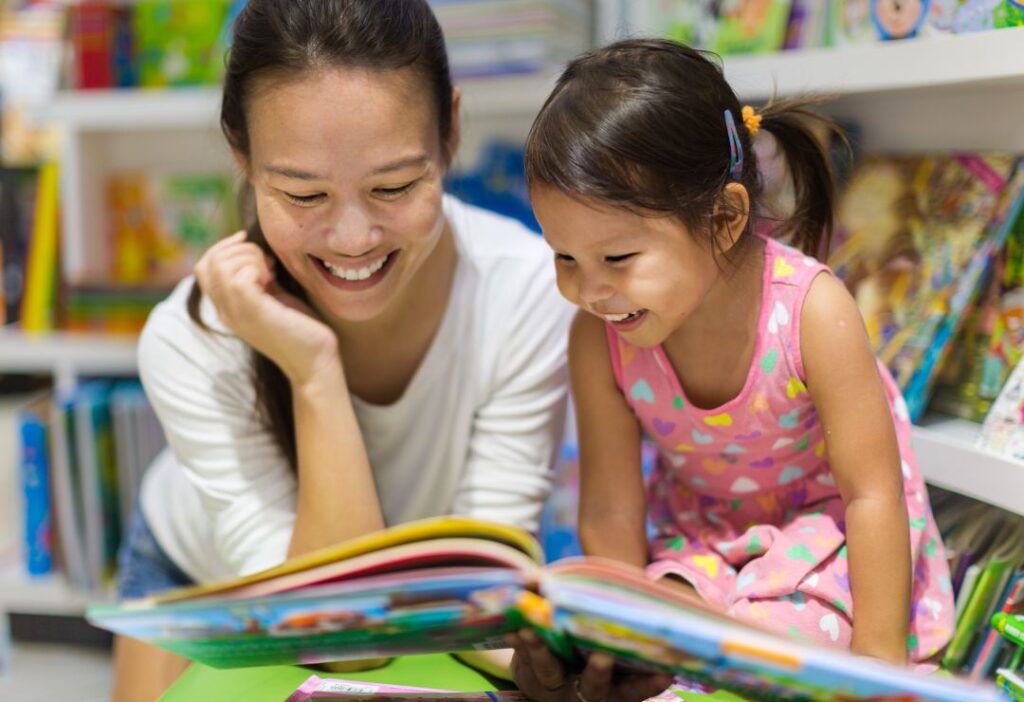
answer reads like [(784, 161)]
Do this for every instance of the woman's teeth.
[(356, 274), (621, 317)]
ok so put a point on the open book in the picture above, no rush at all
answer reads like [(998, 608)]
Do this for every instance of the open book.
[(455, 584)]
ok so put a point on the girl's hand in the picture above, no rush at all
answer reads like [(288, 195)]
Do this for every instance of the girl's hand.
[(540, 675), (239, 279)]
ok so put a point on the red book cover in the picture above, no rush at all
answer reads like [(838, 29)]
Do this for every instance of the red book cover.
[(92, 39)]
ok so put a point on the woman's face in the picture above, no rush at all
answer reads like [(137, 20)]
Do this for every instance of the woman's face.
[(347, 168)]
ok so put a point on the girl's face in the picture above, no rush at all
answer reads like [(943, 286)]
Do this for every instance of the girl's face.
[(644, 275), (347, 168)]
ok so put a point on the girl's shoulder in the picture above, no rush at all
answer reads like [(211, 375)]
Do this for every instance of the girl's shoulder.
[(787, 263)]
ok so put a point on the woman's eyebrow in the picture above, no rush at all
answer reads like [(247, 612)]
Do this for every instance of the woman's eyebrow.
[(418, 160), (296, 173)]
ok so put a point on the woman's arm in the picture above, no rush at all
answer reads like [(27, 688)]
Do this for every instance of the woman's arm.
[(612, 503), (842, 377), (337, 497)]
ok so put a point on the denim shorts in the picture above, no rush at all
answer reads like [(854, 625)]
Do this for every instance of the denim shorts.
[(143, 568)]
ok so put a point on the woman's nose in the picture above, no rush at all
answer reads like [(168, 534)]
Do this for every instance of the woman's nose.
[(352, 232)]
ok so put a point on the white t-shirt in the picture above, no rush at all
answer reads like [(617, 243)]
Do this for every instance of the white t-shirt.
[(474, 433)]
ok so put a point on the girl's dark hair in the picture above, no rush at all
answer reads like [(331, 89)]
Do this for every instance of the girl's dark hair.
[(641, 124), (292, 38)]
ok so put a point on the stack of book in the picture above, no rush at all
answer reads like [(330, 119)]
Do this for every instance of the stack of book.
[(502, 37)]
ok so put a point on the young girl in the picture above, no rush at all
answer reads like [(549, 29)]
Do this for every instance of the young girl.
[(786, 490), (370, 351)]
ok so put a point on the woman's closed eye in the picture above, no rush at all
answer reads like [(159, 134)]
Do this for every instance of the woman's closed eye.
[(395, 192), (305, 200)]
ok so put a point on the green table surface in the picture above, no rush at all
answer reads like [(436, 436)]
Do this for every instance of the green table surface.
[(201, 683)]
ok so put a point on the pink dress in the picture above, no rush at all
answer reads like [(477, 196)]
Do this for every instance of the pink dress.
[(742, 499)]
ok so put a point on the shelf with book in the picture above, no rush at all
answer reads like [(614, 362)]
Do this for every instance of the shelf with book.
[(68, 356), (46, 595), (156, 108), (949, 458), (953, 92)]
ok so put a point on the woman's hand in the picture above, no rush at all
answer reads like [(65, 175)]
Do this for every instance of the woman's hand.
[(239, 279), (539, 674)]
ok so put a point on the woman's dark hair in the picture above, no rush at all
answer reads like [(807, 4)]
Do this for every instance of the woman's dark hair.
[(290, 38), (641, 124)]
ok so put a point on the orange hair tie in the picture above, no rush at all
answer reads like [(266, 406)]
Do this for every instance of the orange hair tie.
[(751, 119)]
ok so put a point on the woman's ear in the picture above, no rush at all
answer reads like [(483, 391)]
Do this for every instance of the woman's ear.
[(455, 137), (241, 162), (731, 214)]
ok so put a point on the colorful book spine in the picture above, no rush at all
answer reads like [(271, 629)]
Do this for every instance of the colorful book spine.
[(974, 613), (991, 647), (918, 389), (35, 484), (92, 39), (39, 304)]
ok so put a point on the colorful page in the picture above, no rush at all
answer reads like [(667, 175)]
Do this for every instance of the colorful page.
[(317, 688), (432, 610), (411, 532), (696, 644)]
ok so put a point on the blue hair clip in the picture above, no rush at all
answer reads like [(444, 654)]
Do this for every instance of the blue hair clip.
[(735, 147)]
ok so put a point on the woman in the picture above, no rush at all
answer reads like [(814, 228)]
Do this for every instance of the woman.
[(369, 351)]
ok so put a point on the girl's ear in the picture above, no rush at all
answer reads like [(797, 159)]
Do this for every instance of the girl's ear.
[(730, 217)]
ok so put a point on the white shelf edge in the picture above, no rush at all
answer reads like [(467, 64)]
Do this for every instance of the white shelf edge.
[(949, 459), (67, 354), (192, 108), (995, 57), (49, 594)]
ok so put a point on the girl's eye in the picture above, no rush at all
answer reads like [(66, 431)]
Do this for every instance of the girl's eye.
[(564, 258), (619, 259), (393, 193), (305, 199)]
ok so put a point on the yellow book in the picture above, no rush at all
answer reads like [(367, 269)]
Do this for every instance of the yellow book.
[(37, 306)]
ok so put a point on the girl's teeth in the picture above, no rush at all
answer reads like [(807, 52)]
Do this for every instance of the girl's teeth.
[(619, 317), (359, 274)]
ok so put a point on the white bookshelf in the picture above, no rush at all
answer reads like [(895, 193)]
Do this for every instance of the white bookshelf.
[(949, 458), (49, 594), (68, 356), (959, 92)]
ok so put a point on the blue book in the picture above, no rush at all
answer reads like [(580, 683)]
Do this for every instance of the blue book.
[(35, 486)]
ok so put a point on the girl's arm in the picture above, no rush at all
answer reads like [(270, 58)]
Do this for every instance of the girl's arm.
[(842, 377), (612, 502)]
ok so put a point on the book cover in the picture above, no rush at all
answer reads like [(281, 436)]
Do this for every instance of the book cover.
[(39, 305), (92, 40), (67, 492), (95, 455), (33, 421), (17, 211), (459, 584)]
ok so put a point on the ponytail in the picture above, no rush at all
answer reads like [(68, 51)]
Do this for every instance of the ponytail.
[(804, 136)]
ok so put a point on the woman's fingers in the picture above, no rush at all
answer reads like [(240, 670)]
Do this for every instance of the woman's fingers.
[(546, 667), (636, 688), (595, 683)]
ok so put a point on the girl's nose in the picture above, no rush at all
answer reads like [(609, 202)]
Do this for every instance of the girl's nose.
[(594, 291)]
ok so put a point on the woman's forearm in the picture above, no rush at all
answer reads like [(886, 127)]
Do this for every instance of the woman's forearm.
[(880, 576), (337, 497)]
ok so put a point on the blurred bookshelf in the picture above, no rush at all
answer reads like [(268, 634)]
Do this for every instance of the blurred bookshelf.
[(67, 356)]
